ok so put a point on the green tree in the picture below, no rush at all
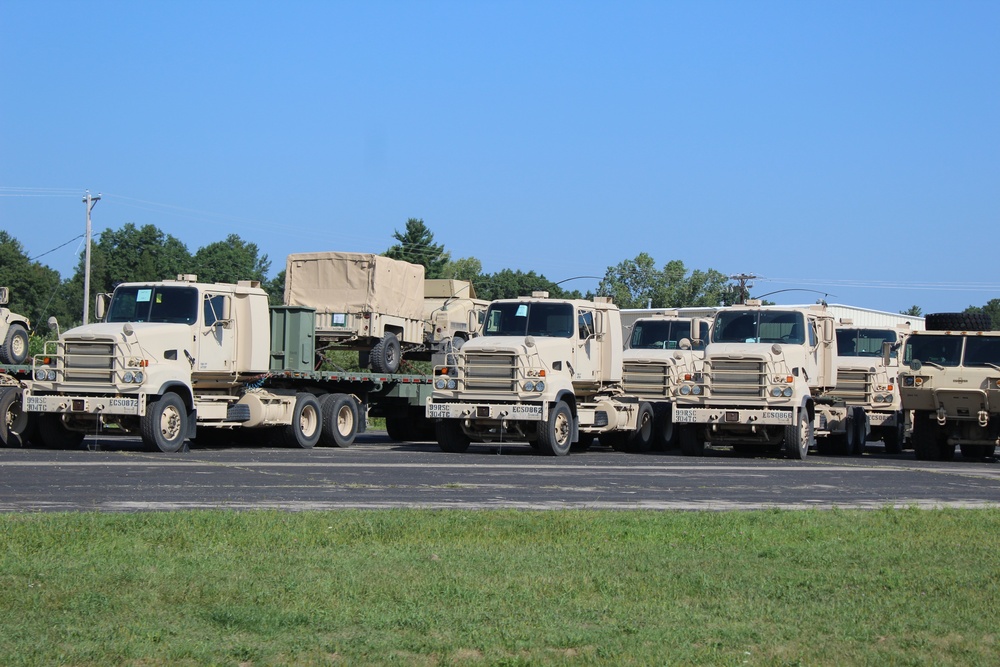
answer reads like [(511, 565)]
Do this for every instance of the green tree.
[(128, 254), (992, 308), (467, 268), (35, 289), (637, 283), (416, 245), (912, 311), (275, 288), (230, 261)]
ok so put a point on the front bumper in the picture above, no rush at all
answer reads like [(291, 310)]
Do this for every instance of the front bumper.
[(92, 405)]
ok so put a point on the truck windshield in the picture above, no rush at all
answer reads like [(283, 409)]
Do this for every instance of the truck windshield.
[(665, 335), (940, 350), (531, 318), (154, 304), (759, 326), (864, 342), (982, 351)]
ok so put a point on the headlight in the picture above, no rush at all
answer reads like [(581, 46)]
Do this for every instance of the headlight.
[(139, 377), (128, 377), (879, 398), (684, 390), (452, 383), (440, 383), (529, 386), (776, 392), (50, 374), (539, 386), (40, 375), (696, 390), (787, 393), (908, 381)]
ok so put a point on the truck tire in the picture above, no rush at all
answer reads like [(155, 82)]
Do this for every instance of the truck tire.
[(691, 443), (53, 433), (13, 420), (398, 429), (450, 436), (927, 437), (307, 423), (892, 436), (799, 437), (958, 322), (666, 430), (555, 436), (340, 420), (165, 424), (385, 356), (15, 345), (641, 439), (860, 432)]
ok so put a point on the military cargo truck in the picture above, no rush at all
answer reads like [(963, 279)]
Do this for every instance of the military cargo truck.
[(544, 371), (452, 314), (13, 332), (866, 380), (661, 351), (177, 359), (363, 302), (767, 381), (950, 378)]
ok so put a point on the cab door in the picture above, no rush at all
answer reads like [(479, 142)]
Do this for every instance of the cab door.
[(217, 337), (587, 363)]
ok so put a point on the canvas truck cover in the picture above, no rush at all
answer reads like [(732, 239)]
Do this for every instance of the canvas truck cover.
[(349, 282)]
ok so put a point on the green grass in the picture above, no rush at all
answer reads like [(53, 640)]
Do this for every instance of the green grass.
[(907, 587)]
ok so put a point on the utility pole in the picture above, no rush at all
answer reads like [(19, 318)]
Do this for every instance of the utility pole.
[(744, 280), (90, 202)]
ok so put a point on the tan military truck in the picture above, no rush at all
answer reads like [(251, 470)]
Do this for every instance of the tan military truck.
[(867, 380), (950, 378), (176, 360), (767, 381), (13, 333), (452, 314), (544, 371), (661, 351), (363, 302)]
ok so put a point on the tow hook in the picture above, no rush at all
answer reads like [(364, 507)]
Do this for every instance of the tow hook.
[(984, 418), (942, 416)]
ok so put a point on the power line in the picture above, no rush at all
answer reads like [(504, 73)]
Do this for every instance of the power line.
[(32, 259)]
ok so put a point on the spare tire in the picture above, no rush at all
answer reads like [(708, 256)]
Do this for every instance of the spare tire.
[(958, 322)]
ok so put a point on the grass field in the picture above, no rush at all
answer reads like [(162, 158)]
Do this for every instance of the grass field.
[(414, 587)]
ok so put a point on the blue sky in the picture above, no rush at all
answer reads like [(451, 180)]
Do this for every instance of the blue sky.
[(851, 148)]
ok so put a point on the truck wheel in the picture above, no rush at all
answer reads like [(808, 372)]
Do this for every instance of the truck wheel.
[(15, 346), (165, 424), (958, 322), (892, 436), (926, 434), (450, 436), (53, 433), (641, 439), (13, 420), (666, 430), (861, 437), (691, 442), (340, 420), (556, 435), (398, 429), (307, 423), (385, 356), (800, 437), (840, 444)]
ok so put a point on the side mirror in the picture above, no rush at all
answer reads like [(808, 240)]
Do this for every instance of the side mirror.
[(886, 352), (696, 340), (54, 324), (828, 331), (101, 305), (4, 296)]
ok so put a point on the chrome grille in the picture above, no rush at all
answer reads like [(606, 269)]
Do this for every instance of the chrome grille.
[(854, 386), (736, 377), (491, 372), (647, 379), (89, 362)]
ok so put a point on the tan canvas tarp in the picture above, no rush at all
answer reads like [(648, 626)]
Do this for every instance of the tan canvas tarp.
[(350, 282)]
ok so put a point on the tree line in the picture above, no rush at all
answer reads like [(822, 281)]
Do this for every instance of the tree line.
[(133, 253)]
